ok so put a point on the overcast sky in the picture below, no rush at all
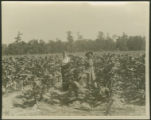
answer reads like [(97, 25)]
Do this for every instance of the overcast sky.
[(51, 20)]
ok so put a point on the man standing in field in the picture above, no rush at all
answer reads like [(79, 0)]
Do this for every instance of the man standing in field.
[(87, 79), (64, 65), (90, 70)]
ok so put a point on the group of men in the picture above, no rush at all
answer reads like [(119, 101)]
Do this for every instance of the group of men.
[(88, 66)]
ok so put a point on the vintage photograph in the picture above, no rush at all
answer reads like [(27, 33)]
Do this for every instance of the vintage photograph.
[(75, 59)]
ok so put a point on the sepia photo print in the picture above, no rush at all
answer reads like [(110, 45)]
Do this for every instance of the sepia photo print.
[(75, 60)]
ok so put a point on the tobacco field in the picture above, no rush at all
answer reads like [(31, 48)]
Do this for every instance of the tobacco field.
[(120, 79)]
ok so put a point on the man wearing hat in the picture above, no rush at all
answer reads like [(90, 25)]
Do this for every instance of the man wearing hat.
[(90, 70), (65, 61)]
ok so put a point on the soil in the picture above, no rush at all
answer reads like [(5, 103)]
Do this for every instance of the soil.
[(45, 109)]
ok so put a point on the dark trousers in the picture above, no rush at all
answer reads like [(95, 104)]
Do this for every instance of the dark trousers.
[(65, 81)]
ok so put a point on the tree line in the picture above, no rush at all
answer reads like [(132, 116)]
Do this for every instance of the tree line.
[(102, 42)]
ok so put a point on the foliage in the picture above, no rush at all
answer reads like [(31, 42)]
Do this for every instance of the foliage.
[(81, 44), (39, 77)]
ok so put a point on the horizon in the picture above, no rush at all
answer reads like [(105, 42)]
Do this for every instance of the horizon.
[(75, 38), (43, 20)]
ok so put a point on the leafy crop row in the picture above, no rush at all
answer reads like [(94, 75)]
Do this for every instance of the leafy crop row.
[(40, 78)]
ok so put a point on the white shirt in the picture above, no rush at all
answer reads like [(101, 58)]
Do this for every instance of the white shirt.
[(66, 60)]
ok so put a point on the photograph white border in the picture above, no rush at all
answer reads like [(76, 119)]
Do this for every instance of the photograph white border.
[(147, 116)]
